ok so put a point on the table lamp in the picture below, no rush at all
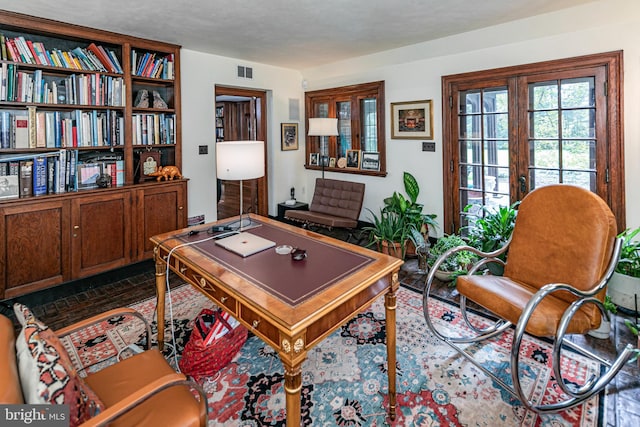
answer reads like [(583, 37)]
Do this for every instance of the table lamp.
[(239, 160), (323, 127)]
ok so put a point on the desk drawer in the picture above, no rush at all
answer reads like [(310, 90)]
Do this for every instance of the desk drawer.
[(219, 296), (260, 326)]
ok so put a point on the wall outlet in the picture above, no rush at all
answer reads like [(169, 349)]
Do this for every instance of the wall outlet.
[(428, 146), (203, 149)]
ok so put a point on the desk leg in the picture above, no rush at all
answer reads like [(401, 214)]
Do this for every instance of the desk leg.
[(161, 277), (292, 388), (390, 310)]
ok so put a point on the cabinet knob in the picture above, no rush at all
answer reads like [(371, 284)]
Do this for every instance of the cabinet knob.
[(180, 208), (76, 227), (224, 299)]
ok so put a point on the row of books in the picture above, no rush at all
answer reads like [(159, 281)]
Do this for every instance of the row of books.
[(91, 58), (76, 89), (56, 173), (150, 129), (152, 65), (60, 129)]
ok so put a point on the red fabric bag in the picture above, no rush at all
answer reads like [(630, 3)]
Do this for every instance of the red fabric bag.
[(200, 360)]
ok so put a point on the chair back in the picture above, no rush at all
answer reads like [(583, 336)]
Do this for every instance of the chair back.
[(338, 198), (563, 234)]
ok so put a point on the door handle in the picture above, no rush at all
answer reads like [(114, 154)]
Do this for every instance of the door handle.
[(523, 183)]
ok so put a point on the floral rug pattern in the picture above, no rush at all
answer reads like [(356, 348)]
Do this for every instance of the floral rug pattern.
[(344, 379)]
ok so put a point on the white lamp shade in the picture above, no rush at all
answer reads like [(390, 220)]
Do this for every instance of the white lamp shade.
[(323, 127), (238, 160)]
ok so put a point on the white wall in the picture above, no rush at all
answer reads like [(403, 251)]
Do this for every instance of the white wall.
[(411, 73), (200, 73)]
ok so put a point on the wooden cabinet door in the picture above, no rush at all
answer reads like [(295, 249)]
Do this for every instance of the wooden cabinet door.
[(160, 209), (100, 233), (34, 246)]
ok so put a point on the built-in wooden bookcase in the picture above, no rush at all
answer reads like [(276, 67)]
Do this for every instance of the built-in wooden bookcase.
[(74, 128)]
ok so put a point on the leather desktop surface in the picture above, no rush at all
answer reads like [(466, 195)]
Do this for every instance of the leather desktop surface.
[(291, 281)]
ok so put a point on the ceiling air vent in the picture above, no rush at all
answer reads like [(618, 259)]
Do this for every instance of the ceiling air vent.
[(245, 72)]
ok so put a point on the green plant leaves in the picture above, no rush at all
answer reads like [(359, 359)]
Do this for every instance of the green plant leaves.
[(411, 186)]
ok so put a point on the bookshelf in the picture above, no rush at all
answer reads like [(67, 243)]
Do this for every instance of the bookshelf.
[(219, 122), (80, 108)]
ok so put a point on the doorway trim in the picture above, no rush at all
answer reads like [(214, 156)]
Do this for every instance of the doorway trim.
[(261, 135)]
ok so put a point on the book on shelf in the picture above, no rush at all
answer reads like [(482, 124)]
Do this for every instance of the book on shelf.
[(39, 176), (5, 129), (21, 129), (26, 178)]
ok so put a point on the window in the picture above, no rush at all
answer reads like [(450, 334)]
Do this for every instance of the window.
[(360, 113), (511, 130)]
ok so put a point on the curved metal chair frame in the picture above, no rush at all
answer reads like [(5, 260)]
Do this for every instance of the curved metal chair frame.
[(575, 395)]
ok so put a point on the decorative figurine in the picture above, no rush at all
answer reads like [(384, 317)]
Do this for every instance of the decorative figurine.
[(168, 172)]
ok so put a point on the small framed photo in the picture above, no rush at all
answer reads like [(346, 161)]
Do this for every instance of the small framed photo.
[(370, 161), (353, 159), (314, 159), (412, 120), (289, 136), (88, 174), (324, 161), (332, 162)]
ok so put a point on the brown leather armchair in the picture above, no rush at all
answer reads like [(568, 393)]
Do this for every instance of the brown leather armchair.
[(561, 254), (335, 204), (143, 390)]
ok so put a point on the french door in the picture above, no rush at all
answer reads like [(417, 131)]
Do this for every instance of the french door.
[(509, 131)]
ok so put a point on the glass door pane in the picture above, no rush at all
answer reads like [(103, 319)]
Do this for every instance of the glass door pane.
[(562, 137), (483, 139)]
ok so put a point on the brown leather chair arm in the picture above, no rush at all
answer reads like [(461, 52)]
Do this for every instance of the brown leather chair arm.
[(146, 392), (67, 330)]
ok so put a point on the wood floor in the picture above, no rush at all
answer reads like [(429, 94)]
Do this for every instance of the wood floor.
[(66, 304)]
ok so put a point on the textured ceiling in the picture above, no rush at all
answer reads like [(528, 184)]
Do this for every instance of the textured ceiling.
[(288, 33)]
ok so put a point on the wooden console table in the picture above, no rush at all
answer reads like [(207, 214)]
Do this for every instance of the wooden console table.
[(291, 305)]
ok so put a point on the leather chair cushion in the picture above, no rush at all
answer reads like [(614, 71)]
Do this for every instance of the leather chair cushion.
[(507, 298), (10, 390), (117, 381), (321, 219), (550, 246)]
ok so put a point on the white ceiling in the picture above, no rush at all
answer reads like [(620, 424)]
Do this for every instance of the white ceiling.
[(294, 34)]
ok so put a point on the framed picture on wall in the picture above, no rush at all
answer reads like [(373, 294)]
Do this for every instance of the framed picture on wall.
[(412, 120), (289, 136)]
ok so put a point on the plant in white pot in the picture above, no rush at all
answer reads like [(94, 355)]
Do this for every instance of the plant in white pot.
[(624, 286), (454, 265)]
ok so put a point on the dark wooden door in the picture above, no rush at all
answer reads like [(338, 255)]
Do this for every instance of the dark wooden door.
[(34, 248), (100, 233), (161, 209)]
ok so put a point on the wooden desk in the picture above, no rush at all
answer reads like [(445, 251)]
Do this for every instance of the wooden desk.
[(291, 305)]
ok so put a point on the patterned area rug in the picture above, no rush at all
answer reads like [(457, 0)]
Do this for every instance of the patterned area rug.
[(344, 378)]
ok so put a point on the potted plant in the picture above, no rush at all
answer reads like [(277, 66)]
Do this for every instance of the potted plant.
[(455, 265), (624, 285), (492, 231), (389, 232), (408, 207)]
